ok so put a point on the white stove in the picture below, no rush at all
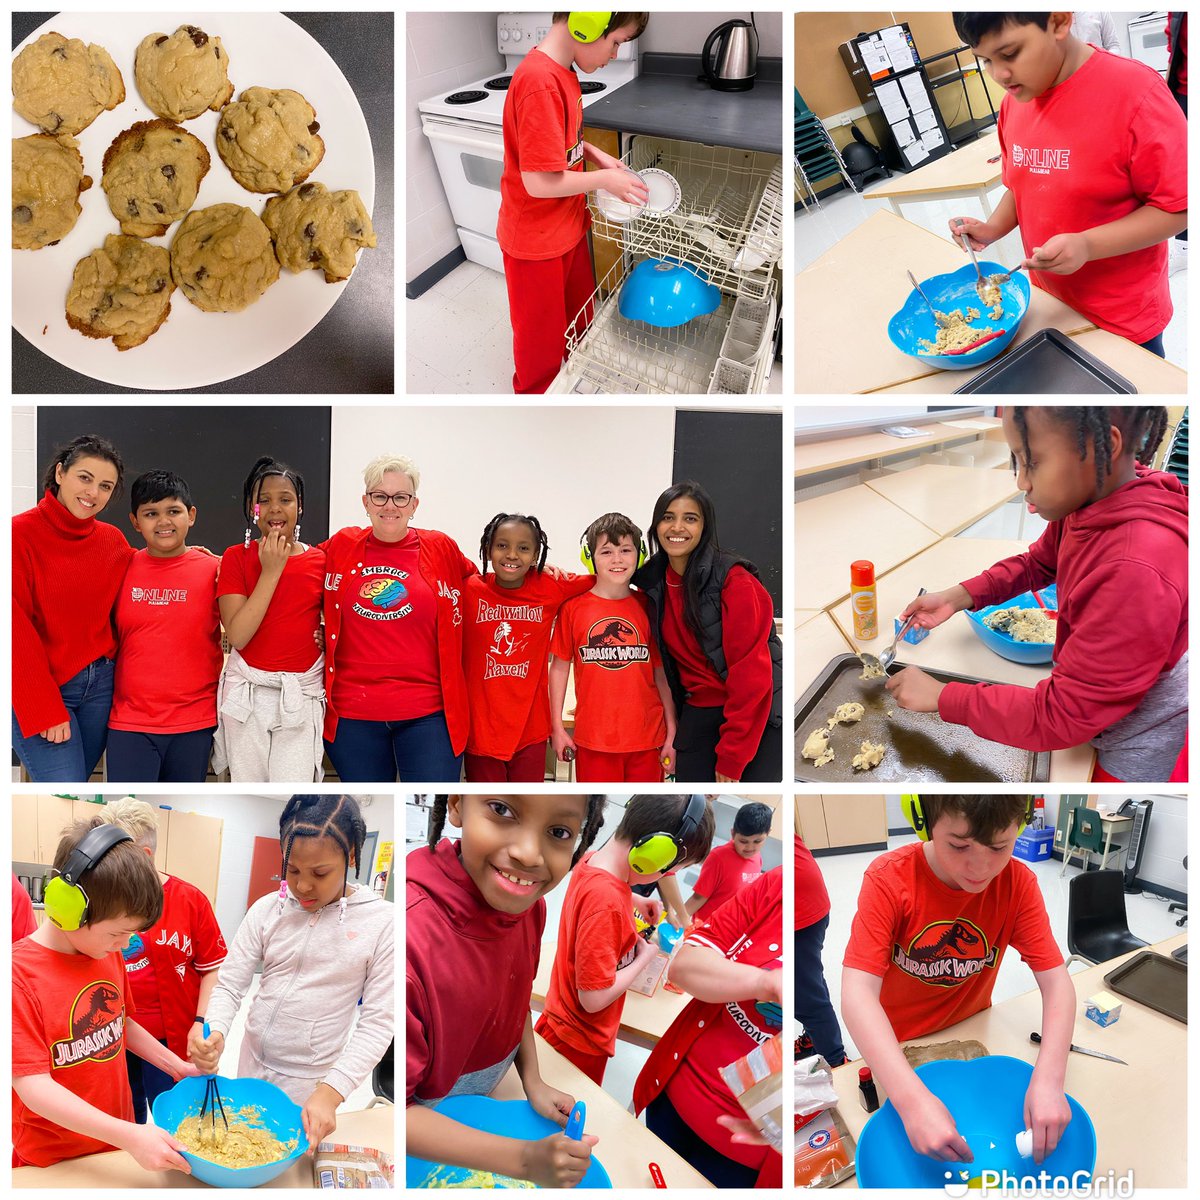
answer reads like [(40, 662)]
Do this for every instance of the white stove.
[(464, 129)]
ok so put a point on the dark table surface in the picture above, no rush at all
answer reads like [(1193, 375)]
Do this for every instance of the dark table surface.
[(353, 348)]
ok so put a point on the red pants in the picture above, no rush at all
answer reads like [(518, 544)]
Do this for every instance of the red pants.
[(528, 765), (592, 1065), (597, 766), (544, 296)]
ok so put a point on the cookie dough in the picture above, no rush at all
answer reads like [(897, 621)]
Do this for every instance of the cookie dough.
[(122, 291), (222, 258), (182, 75), (872, 670), (869, 756), (47, 179), (316, 228), (957, 334), (1022, 624), (816, 747), (268, 139), (152, 174), (62, 85), (846, 714)]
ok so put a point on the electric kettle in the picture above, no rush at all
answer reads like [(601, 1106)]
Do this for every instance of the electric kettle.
[(729, 59)]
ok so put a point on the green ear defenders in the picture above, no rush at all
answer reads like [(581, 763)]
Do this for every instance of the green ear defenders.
[(658, 852), (585, 555), (588, 27), (65, 900), (915, 812)]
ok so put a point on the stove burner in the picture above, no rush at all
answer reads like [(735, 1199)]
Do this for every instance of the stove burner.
[(590, 86), (499, 84), (471, 97)]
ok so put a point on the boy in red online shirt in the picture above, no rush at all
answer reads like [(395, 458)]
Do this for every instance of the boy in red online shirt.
[(543, 215), (934, 920), (72, 1021), (599, 952), (733, 866), (161, 724), (1095, 161), (624, 711)]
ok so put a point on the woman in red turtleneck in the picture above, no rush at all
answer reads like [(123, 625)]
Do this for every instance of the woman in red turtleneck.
[(67, 569)]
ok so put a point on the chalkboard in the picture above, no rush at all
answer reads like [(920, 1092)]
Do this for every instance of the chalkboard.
[(212, 448), (738, 459)]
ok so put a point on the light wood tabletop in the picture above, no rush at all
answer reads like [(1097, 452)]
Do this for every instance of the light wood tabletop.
[(848, 449), (964, 170), (946, 499), (817, 641)]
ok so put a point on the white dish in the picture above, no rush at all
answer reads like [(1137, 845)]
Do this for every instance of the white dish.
[(665, 193), (194, 348), (620, 211)]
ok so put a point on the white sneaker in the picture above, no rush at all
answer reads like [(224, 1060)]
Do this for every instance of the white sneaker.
[(1177, 257)]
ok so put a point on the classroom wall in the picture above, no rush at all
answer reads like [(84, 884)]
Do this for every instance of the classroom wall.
[(25, 466), (685, 32)]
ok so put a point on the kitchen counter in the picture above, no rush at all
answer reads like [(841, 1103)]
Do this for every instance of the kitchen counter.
[(667, 100)]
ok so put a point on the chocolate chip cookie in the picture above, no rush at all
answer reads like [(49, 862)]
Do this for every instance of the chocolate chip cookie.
[(152, 174), (268, 139), (121, 291), (62, 86), (316, 228), (47, 179), (182, 75), (222, 258)]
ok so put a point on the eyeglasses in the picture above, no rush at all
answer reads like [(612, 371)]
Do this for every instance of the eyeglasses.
[(380, 499)]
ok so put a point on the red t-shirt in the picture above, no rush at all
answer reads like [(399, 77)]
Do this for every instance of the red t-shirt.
[(543, 131), (938, 949), (284, 641), (812, 896), (69, 1013), (506, 653), (596, 938), (166, 612), (387, 654), (1104, 142), (23, 920), (617, 706), (724, 873)]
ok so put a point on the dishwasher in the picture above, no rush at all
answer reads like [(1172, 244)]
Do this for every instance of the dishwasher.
[(728, 224)]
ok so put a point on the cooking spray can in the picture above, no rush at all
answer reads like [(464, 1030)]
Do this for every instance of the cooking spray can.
[(862, 600)]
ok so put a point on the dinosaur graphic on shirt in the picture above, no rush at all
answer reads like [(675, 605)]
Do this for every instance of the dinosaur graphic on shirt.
[(946, 953)]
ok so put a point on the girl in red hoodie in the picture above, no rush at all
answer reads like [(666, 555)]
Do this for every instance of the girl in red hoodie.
[(1117, 547)]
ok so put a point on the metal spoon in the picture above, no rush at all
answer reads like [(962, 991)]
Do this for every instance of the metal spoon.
[(980, 282), (885, 660), (940, 318)]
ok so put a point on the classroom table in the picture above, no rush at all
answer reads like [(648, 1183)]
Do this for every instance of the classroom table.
[(845, 299), (964, 172), (1110, 822), (1139, 1110), (817, 641), (850, 449), (626, 1147), (116, 1169), (947, 499)]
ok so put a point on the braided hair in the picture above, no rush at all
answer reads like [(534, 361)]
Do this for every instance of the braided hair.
[(1143, 427), (264, 467), (336, 817), (535, 526), (592, 822)]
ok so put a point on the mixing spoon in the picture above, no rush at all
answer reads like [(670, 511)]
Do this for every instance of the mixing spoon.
[(872, 664), (940, 318)]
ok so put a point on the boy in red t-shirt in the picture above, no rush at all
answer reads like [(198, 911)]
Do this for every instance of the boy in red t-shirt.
[(934, 919), (162, 720), (599, 952), (1094, 153), (72, 1010), (624, 712), (544, 222), (733, 866)]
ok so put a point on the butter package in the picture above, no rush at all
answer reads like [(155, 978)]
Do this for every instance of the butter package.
[(756, 1080), (337, 1165), (1104, 1008), (649, 977), (914, 636), (824, 1150)]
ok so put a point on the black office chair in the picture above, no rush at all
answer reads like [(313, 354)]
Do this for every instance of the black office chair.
[(1177, 907), (382, 1077), (1097, 927)]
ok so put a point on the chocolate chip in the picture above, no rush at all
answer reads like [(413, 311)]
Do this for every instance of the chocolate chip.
[(310, 230), (315, 256), (140, 144), (57, 121), (158, 287), (168, 171), (353, 227), (159, 41), (59, 52), (159, 208), (316, 125), (132, 207), (53, 243), (177, 141), (93, 315), (308, 190), (200, 273), (22, 215), (191, 28), (227, 133), (199, 38), (217, 51)]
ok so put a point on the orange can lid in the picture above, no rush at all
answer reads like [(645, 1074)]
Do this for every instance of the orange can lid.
[(862, 573)]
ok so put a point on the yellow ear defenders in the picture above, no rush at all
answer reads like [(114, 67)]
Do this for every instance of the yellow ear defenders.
[(914, 811), (588, 27), (585, 555), (65, 900), (658, 852)]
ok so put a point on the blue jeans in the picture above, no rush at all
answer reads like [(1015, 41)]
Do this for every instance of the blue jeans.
[(146, 1082), (1155, 346), (814, 1009), (158, 757), (87, 697), (664, 1122), (384, 751)]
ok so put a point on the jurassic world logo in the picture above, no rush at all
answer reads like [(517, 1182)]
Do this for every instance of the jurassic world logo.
[(613, 643), (97, 1027), (946, 953)]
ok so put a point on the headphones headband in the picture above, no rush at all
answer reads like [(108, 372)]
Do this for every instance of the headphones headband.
[(660, 851), (585, 554), (914, 811), (94, 845), (587, 27)]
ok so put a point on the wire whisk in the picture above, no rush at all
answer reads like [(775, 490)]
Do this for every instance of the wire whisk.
[(212, 1101)]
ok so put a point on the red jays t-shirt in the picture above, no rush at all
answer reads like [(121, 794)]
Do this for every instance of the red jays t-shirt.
[(724, 873), (69, 1015), (812, 896), (284, 641), (1104, 142), (166, 612), (608, 643), (937, 948), (543, 131)]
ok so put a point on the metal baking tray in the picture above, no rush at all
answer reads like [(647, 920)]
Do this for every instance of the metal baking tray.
[(1154, 980), (1048, 364), (921, 746)]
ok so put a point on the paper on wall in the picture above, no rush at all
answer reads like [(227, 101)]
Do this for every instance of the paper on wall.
[(925, 120), (904, 133), (916, 153), (915, 92), (874, 56), (891, 101), (897, 47), (931, 139)]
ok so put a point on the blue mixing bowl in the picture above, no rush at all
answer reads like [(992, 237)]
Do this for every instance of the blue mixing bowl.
[(914, 321), (986, 1099), (666, 293), (1005, 646), (280, 1115)]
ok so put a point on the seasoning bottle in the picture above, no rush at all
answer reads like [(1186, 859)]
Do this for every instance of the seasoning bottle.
[(868, 1097), (862, 600)]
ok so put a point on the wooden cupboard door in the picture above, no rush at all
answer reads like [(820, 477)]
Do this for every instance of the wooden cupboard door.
[(194, 850), (856, 820), (604, 252), (265, 864), (24, 830), (53, 819), (810, 821)]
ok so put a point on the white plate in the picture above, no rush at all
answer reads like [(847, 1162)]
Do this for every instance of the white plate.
[(665, 194), (194, 348), (620, 211)]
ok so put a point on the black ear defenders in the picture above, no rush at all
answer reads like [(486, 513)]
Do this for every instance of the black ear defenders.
[(588, 27), (658, 852), (914, 811), (585, 555), (65, 900)]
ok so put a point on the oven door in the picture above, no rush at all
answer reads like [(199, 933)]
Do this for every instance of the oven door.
[(470, 159)]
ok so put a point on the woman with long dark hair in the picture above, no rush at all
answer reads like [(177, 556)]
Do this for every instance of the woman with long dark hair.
[(715, 627)]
